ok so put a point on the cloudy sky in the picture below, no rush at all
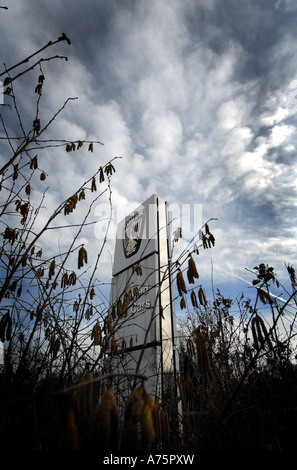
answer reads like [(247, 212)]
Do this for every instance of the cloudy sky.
[(198, 97)]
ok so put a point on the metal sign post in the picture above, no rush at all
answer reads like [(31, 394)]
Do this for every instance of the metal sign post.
[(142, 307)]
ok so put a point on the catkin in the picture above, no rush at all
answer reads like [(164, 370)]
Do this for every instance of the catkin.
[(260, 334), (64, 280), (194, 299), (96, 335), (101, 174), (132, 418), (72, 279), (204, 365), (147, 426), (63, 434), (82, 257), (192, 272), (201, 296), (104, 428), (141, 416), (182, 303), (93, 184), (190, 347), (52, 269), (181, 286)]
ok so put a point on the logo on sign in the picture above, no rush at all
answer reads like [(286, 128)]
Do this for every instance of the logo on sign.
[(133, 233)]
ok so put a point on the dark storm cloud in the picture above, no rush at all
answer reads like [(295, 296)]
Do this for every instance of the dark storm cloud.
[(258, 27)]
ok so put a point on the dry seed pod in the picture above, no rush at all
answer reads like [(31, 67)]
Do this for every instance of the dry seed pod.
[(182, 303), (97, 334), (181, 286), (211, 240), (82, 257), (54, 346), (119, 308), (104, 427), (192, 268), (64, 280), (92, 293), (264, 296), (39, 312), (131, 419), (123, 354), (260, 334), (204, 365), (101, 174), (201, 296), (72, 279), (257, 333), (204, 242), (34, 163), (113, 344), (109, 169), (190, 277), (194, 299), (81, 195), (28, 190), (146, 422), (190, 347), (52, 269), (93, 185), (89, 312), (136, 268)]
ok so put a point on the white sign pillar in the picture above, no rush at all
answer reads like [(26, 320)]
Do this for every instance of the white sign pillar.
[(142, 307)]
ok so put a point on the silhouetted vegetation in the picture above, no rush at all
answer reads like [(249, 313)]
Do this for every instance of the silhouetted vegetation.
[(237, 379)]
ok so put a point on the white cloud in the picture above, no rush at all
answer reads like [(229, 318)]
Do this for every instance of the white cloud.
[(171, 99), (280, 134)]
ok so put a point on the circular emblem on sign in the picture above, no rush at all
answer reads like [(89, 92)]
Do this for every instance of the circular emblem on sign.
[(133, 233)]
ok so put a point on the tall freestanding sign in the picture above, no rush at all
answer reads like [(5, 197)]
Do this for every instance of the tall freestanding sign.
[(143, 315)]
